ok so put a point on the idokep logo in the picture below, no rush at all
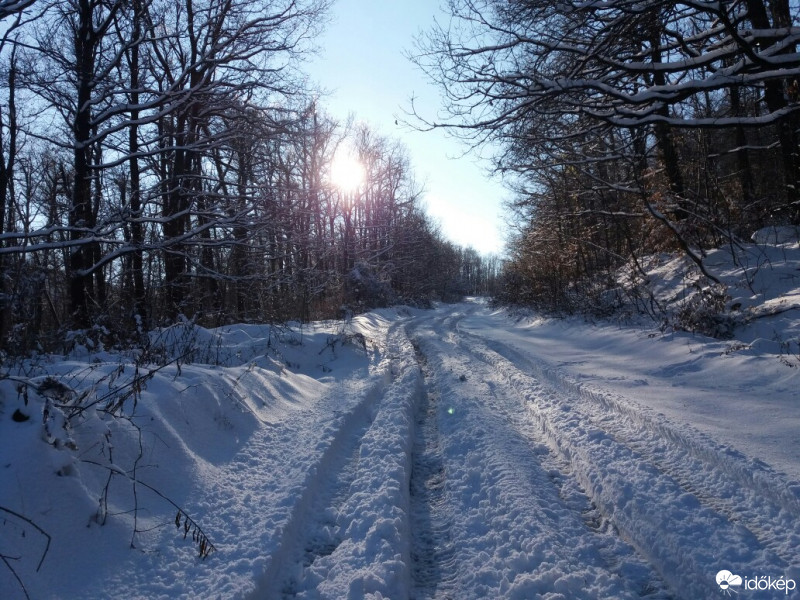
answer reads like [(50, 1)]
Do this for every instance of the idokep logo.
[(728, 582)]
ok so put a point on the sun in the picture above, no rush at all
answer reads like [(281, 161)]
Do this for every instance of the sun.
[(347, 172)]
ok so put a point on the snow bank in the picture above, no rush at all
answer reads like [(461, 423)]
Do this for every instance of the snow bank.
[(756, 304), (196, 435)]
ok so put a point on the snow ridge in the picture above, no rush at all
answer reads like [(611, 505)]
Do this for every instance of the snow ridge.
[(519, 529), (433, 552), (680, 530), (745, 490), (348, 534)]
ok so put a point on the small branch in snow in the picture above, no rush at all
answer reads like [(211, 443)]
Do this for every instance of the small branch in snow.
[(182, 519), (35, 526), (6, 558)]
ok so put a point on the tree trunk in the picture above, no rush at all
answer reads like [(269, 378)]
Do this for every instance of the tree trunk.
[(137, 231), (663, 134), (8, 156), (80, 212), (775, 100)]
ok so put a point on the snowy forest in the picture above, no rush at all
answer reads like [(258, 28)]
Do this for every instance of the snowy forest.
[(166, 159), (239, 358), (169, 158), (628, 128)]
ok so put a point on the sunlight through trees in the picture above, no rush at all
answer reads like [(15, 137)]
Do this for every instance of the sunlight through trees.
[(166, 159)]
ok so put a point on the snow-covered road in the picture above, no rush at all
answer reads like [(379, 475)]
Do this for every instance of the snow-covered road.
[(448, 453), (496, 475)]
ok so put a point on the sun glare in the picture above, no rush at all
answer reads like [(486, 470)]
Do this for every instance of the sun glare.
[(347, 172)]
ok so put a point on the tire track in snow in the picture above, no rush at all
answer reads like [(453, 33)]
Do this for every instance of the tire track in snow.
[(744, 492), (520, 526), (323, 532), (680, 532), (311, 531), (348, 535), (432, 549)]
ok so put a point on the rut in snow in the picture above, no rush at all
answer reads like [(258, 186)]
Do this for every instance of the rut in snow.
[(520, 525), (433, 552), (608, 453), (313, 530), (323, 533), (743, 492)]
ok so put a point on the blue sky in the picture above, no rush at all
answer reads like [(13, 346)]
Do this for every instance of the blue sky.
[(361, 62)]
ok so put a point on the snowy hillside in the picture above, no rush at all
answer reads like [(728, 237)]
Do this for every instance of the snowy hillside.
[(453, 453), (756, 303)]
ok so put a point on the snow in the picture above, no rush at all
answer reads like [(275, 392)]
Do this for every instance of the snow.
[(460, 452)]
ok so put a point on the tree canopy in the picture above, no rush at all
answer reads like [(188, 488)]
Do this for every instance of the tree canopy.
[(168, 159), (626, 126)]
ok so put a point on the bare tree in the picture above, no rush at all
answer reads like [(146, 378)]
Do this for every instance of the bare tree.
[(608, 96), (176, 163), (220, 58)]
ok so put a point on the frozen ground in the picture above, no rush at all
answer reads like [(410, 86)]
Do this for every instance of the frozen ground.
[(452, 453)]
